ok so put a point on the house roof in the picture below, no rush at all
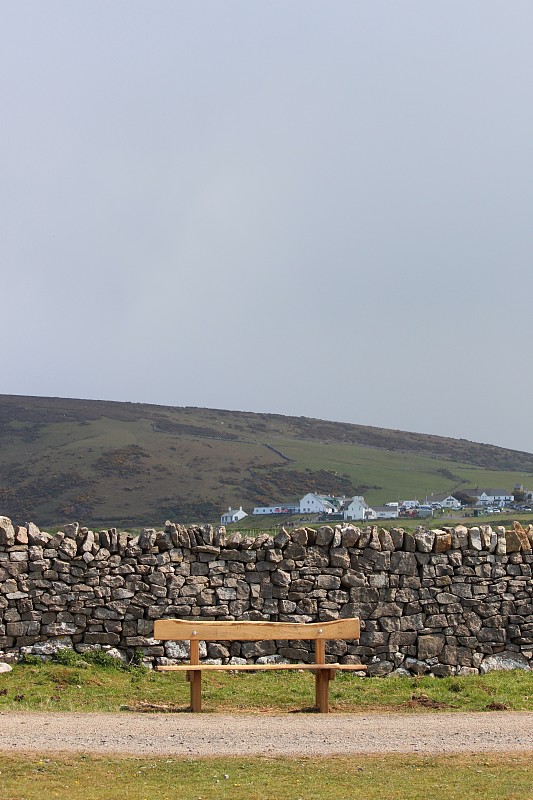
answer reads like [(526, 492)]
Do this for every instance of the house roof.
[(328, 500), (334, 502), (360, 499), (494, 492), (437, 498)]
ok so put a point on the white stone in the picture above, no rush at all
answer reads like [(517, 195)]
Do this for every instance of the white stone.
[(467, 671), (114, 653), (501, 545), (424, 540), (400, 672), (504, 661), (273, 659), (180, 650), (475, 539), (49, 648), (460, 537), (489, 538)]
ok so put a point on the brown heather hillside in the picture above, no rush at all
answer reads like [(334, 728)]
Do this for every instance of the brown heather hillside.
[(130, 463)]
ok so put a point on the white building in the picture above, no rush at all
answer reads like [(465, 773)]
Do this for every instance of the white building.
[(494, 497), (357, 509), (319, 504), (444, 501), (385, 512), (232, 515), (283, 508)]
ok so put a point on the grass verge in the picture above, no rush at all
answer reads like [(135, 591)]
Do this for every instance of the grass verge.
[(395, 777), (77, 685)]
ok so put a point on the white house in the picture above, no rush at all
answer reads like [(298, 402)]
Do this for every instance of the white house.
[(444, 501), (232, 515), (357, 509), (283, 508), (494, 497), (319, 504)]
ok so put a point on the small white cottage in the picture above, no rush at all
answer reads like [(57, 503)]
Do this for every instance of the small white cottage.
[(357, 509), (232, 515)]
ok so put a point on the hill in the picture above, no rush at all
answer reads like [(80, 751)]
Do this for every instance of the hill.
[(108, 463)]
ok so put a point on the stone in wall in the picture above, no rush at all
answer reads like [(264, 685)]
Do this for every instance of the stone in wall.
[(444, 601)]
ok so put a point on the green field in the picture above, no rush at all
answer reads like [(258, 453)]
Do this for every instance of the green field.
[(412, 475), (126, 464), (395, 777)]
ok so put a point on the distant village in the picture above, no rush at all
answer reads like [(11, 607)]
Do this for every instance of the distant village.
[(489, 501)]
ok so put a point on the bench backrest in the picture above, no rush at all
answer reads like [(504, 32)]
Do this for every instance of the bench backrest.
[(235, 631)]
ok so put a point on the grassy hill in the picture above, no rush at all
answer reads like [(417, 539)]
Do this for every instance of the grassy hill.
[(107, 463)]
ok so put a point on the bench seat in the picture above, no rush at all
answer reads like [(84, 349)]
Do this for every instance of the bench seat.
[(256, 667), (232, 631)]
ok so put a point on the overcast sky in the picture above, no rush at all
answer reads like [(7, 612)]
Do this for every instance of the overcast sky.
[(308, 208)]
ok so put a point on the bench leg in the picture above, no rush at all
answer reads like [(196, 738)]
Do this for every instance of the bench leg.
[(195, 680), (322, 679)]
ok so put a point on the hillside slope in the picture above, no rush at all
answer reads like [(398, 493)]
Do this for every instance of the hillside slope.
[(131, 463)]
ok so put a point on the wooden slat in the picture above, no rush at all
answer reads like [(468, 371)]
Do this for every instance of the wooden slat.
[(259, 667), (180, 629)]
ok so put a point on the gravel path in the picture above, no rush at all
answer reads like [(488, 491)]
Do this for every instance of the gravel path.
[(265, 734)]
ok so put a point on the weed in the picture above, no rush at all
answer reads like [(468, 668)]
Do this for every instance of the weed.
[(102, 659), (69, 658), (32, 661)]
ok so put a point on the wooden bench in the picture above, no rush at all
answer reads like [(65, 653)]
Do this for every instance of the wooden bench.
[(195, 631)]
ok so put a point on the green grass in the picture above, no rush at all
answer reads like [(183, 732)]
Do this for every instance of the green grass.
[(400, 475), (92, 687), (394, 777)]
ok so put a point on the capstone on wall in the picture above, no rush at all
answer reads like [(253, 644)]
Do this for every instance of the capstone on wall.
[(450, 601)]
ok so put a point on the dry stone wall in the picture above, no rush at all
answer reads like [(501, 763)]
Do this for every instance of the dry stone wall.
[(451, 601)]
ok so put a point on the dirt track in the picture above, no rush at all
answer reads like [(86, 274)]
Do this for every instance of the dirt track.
[(189, 735)]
